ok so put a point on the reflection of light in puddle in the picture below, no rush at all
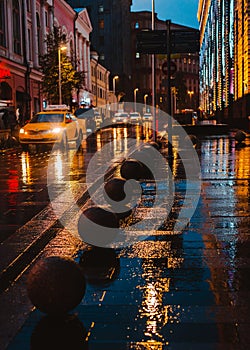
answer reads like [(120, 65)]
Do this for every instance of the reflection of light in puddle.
[(155, 312), (98, 142), (149, 345), (58, 167), (25, 158), (152, 309)]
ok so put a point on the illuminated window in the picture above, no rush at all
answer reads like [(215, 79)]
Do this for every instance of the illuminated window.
[(137, 26), (100, 9), (101, 23)]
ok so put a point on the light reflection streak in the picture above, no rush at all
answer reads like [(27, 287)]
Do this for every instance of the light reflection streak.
[(98, 142), (153, 310), (58, 166), (26, 174)]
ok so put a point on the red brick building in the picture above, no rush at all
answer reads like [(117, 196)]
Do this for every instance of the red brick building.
[(23, 29)]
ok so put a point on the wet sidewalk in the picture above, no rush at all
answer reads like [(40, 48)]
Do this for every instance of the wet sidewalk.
[(186, 291)]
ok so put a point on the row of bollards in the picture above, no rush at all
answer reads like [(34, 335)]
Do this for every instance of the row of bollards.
[(56, 284)]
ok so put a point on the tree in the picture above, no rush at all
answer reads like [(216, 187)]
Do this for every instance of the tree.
[(70, 78)]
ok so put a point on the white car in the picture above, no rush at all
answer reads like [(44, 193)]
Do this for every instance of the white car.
[(135, 117), (147, 117), (98, 119), (120, 118)]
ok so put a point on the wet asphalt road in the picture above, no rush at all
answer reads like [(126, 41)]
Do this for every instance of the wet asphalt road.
[(188, 291)]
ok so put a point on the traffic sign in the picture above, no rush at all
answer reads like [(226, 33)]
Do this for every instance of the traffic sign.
[(151, 41), (185, 41), (155, 41)]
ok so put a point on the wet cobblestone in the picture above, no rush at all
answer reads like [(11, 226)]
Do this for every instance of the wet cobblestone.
[(172, 292)]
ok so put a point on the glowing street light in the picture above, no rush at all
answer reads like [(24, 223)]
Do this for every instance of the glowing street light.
[(135, 91), (190, 95), (145, 102), (114, 79), (61, 48)]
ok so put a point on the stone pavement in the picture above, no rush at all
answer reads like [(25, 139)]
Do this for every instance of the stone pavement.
[(187, 291)]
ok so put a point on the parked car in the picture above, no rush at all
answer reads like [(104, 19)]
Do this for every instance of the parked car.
[(135, 117), (147, 117), (98, 119), (120, 118), (86, 118), (53, 125)]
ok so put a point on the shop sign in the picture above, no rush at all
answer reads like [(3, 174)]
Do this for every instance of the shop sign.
[(4, 73)]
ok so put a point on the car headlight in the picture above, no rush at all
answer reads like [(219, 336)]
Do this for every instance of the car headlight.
[(56, 130), (114, 120), (21, 131)]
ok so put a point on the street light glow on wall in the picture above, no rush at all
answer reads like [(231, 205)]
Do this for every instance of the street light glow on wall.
[(145, 102), (114, 79), (135, 91), (190, 96), (61, 48)]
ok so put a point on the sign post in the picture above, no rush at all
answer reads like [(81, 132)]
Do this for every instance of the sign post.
[(168, 42)]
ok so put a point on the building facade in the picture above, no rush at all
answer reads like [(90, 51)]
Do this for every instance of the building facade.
[(184, 79), (111, 37), (24, 25), (224, 60), (216, 19), (100, 85), (241, 108)]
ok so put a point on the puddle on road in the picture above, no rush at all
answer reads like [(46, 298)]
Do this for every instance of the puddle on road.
[(189, 290)]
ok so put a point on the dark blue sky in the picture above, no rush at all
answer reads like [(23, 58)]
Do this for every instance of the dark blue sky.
[(179, 11)]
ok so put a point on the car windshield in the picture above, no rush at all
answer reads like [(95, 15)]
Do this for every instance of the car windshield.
[(134, 114), (48, 118)]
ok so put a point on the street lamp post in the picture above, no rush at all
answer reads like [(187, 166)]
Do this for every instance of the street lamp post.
[(135, 91), (61, 48), (145, 102)]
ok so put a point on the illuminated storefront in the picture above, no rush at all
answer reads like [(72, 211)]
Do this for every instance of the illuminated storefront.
[(216, 57), (224, 60), (242, 62)]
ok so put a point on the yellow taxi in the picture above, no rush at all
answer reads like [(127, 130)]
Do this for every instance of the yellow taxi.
[(56, 124)]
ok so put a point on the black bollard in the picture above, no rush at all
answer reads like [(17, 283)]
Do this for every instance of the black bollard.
[(56, 285), (131, 169)]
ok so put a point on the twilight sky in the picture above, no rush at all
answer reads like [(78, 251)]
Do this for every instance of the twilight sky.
[(179, 11)]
